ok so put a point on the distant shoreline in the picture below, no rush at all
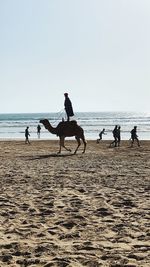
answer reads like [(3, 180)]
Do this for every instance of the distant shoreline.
[(71, 141)]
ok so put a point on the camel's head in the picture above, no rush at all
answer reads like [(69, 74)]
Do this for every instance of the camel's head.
[(44, 121), (48, 126)]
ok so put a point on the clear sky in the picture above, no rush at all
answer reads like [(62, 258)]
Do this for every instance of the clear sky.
[(96, 50)]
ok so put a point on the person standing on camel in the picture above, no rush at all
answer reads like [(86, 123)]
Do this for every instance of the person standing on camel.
[(68, 107)]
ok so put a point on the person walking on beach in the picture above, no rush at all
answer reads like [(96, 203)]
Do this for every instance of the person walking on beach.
[(115, 134), (38, 130), (118, 135), (100, 135), (134, 136), (27, 134), (68, 107)]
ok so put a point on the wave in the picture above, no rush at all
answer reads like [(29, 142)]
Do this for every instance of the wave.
[(13, 125)]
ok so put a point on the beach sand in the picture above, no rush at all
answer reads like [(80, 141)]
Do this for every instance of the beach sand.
[(74, 210)]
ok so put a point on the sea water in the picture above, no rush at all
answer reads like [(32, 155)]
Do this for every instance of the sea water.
[(12, 126)]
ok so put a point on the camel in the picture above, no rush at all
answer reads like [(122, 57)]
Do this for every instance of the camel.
[(66, 129)]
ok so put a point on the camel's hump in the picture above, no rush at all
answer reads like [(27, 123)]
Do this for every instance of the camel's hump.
[(67, 128), (67, 123)]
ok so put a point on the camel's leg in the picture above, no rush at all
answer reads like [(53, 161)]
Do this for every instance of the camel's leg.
[(68, 149), (84, 142), (61, 143), (79, 143)]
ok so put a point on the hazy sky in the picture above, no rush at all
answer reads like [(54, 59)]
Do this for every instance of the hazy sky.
[(96, 50)]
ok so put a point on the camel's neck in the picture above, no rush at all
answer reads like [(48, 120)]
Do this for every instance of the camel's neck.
[(50, 128)]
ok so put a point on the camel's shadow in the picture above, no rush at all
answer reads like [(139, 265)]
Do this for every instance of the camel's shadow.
[(53, 155)]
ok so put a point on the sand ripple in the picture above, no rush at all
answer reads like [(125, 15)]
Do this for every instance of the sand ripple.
[(74, 210)]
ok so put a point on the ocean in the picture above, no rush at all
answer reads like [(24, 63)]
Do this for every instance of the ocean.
[(12, 126)]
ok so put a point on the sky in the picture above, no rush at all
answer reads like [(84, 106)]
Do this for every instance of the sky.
[(98, 51)]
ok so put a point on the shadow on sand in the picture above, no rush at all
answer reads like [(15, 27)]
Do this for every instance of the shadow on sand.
[(47, 156)]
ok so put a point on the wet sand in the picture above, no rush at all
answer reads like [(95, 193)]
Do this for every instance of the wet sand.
[(70, 210)]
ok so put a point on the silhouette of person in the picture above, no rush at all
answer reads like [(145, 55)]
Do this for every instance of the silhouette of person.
[(115, 134), (100, 135), (38, 130), (27, 134), (68, 107), (118, 135), (134, 136)]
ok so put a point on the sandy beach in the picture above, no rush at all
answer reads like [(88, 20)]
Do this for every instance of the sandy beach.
[(70, 210)]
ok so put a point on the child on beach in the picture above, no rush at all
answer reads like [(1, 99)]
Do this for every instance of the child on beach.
[(100, 135)]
